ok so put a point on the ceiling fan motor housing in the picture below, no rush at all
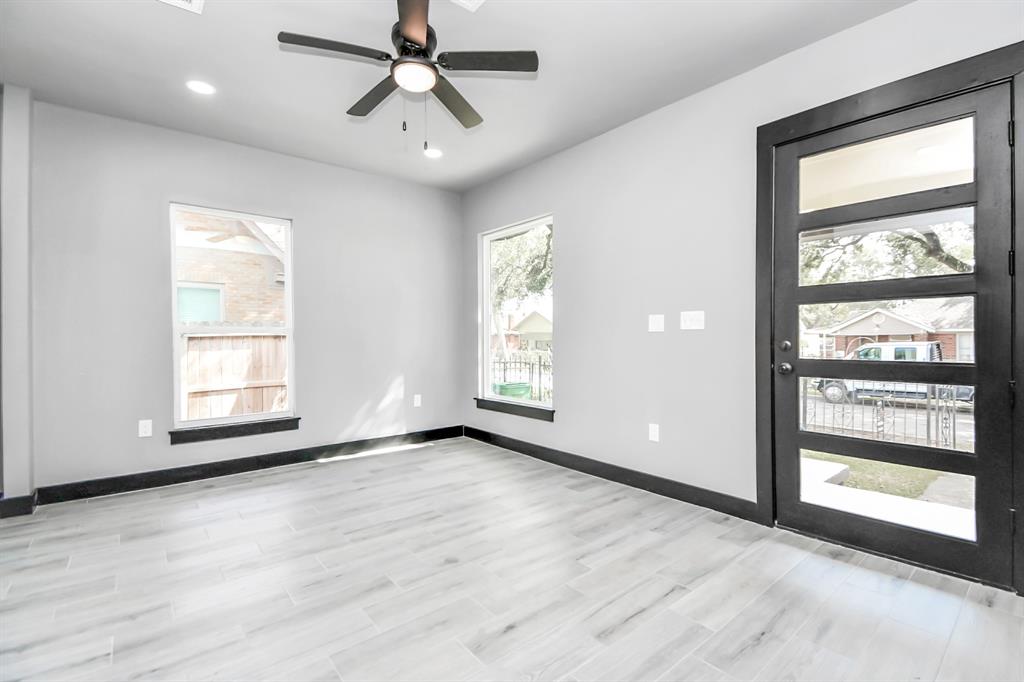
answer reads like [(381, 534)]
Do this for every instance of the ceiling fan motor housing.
[(406, 47)]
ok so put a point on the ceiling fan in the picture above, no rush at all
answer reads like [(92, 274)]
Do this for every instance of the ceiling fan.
[(415, 69)]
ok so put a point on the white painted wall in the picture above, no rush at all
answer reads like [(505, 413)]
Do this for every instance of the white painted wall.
[(15, 291), (375, 289), (658, 216)]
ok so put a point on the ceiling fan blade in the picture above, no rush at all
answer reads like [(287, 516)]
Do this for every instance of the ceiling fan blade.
[(456, 103), (332, 45), (488, 61), (412, 20), (374, 97)]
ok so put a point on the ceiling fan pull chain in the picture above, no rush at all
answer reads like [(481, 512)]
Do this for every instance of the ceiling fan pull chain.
[(405, 128), (424, 121)]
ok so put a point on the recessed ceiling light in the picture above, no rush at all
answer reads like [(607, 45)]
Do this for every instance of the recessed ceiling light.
[(201, 87), (433, 153)]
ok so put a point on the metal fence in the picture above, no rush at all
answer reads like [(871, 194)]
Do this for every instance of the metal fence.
[(897, 412), (514, 376)]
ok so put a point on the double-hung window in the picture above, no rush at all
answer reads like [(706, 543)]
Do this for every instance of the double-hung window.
[(233, 358), (517, 329)]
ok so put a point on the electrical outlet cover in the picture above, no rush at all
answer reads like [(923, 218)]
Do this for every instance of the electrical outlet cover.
[(654, 432), (655, 323)]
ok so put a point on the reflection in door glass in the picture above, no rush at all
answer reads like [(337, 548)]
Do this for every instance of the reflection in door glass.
[(932, 415), (918, 245), (936, 501), (926, 158), (938, 329)]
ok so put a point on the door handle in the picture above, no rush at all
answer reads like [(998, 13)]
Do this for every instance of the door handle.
[(785, 368)]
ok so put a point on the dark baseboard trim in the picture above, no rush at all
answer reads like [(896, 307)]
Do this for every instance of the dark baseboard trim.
[(735, 506), (200, 433), (17, 506), (518, 409), (164, 477), (156, 479)]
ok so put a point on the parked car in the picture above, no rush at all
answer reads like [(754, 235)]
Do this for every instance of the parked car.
[(839, 390)]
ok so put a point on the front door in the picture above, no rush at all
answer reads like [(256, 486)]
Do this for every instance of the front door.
[(892, 332)]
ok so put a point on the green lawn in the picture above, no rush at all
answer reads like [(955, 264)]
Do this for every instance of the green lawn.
[(882, 477)]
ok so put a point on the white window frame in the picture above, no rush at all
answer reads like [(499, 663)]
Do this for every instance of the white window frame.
[(484, 287), (178, 330)]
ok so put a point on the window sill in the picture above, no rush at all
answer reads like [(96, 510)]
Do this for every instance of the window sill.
[(253, 428), (520, 410)]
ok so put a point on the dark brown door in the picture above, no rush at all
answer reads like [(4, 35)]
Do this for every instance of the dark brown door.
[(892, 324)]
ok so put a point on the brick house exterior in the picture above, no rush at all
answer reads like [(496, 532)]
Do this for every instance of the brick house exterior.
[(948, 321), (251, 290)]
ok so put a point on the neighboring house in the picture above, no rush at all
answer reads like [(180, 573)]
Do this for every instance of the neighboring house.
[(527, 325), (951, 324), (534, 331), (228, 272)]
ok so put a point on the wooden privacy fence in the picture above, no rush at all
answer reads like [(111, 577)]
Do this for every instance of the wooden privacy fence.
[(235, 375)]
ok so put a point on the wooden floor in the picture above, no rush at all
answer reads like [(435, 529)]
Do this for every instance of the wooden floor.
[(457, 560)]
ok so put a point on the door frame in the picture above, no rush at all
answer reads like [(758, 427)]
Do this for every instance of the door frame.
[(1004, 65)]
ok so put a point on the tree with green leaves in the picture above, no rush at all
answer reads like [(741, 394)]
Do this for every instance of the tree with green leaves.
[(520, 268), (835, 255)]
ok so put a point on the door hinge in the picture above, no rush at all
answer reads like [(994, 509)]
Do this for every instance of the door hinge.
[(1011, 267), (1013, 393), (1009, 132)]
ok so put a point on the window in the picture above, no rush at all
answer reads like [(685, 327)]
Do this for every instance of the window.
[(905, 354), (965, 347), (232, 317), (869, 354), (900, 247), (517, 314), (936, 156), (200, 302)]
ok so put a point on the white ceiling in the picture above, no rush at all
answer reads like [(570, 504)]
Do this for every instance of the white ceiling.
[(602, 63)]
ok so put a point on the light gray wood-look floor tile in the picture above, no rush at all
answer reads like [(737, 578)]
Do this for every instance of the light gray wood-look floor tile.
[(462, 561), (987, 645), (648, 653), (898, 651)]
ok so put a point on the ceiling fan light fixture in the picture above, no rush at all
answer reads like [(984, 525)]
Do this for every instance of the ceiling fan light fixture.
[(200, 87), (414, 74)]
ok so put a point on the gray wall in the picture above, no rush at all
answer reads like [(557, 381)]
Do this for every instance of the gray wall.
[(15, 291), (658, 217), (376, 296)]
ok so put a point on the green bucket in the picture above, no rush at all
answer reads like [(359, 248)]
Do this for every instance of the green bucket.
[(519, 389)]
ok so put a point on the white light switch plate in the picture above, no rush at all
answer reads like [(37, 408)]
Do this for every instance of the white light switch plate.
[(417, 400), (145, 428), (655, 323), (691, 319), (654, 432)]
